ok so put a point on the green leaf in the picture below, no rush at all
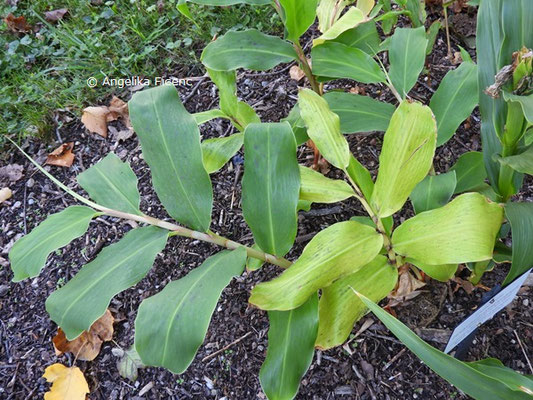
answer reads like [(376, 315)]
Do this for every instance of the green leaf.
[(526, 102), (407, 56), (406, 156), (329, 11), (171, 325), (339, 309), (470, 171), (361, 176), (205, 116), (323, 127), (351, 19), (521, 162), (339, 250), (253, 264), (387, 222), (336, 60), (454, 100), (227, 2), (270, 186), (28, 255), (291, 339), (495, 369), (359, 113), (170, 142), (316, 188), (113, 184), (520, 216), (364, 37), (489, 38), (218, 151), (431, 35), (433, 192), (297, 124), (441, 273), (129, 364), (298, 17), (464, 376), (240, 113), (462, 231), (85, 298), (248, 49)]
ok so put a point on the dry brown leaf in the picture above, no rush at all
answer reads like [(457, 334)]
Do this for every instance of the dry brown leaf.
[(55, 15), (62, 156), (407, 289), (120, 109), (17, 24), (12, 172), (86, 346), (467, 286), (67, 383), (95, 120), (5, 194), (296, 73)]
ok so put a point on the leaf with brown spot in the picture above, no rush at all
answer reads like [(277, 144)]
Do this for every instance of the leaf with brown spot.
[(62, 156), (55, 15), (17, 24), (95, 120), (86, 346), (67, 383)]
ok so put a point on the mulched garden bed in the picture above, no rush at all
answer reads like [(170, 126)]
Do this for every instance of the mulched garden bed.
[(374, 365)]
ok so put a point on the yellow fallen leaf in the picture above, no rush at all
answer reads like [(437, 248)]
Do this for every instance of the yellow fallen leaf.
[(67, 383), (5, 194)]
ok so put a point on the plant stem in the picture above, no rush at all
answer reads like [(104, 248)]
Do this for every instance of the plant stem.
[(307, 68), (176, 230)]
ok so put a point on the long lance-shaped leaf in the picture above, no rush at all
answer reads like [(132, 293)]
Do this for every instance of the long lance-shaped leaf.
[(454, 100), (407, 55), (248, 49), (359, 113), (206, 116), (406, 156), (489, 37), (364, 37), (351, 19), (170, 141), (462, 231), (470, 171), (336, 60), (271, 185), (339, 250), (520, 216), (291, 339), (113, 184), (28, 255), (339, 309), (522, 162), (433, 192), (323, 126), (319, 189), (526, 103), (226, 2), (476, 379), (85, 297), (171, 326), (329, 11), (298, 16), (217, 151), (441, 273)]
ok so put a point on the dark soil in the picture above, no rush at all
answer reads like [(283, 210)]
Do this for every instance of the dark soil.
[(373, 366)]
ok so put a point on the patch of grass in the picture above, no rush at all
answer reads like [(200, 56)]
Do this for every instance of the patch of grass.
[(48, 70)]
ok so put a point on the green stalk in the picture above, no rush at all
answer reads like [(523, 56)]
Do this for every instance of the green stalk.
[(307, 68)]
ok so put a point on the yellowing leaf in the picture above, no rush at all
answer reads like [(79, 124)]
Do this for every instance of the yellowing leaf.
[(86, 346), (351, 19), (67, 383)]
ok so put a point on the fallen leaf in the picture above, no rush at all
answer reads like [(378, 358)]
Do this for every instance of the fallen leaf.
[(12, 172), (5, 194), (129, 364), (120, 109), (62, 156), (467, 286), (358, 90), (55, 15), (95, 120), (17, 24), (406, 289), (86, 346), (296, 73), (124, 135), (67, 383)]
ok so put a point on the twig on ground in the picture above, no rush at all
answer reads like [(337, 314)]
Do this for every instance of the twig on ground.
[(216, 353), (194, 89), (394, 358), (523, 351)]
